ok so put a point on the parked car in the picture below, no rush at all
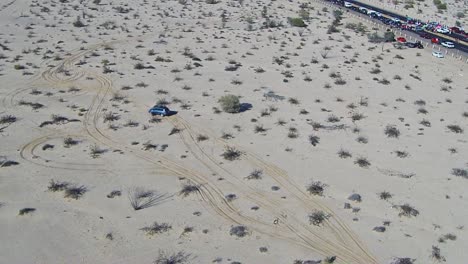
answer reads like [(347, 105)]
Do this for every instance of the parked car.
[(443, 30), (347, 4), (401, 39), (414, 45), (456, 30), (435, 40), (448, 44), (159, 110), (437, 54)]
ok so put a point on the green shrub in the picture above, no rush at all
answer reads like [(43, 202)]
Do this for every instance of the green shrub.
[(230, 103), (297, 22)]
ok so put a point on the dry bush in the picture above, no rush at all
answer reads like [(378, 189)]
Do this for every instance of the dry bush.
[(316, 188), (230, 104), (231, 153), (175, 258), (189, 188), (392, 131), (239, 231), (318, 217), (75, 191), (407, 210), (255, 175), (156, 228), (141, 198)]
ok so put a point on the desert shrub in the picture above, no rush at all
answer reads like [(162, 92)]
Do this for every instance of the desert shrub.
[(78, 23), (362, 139), (436, 254), (425, 123), (95, 151), (230, 197), (259, 129), (316, 188), (175, 258), (239, 231), (26, 210), (75, 191), (318, 217), (174, 130), (344, 154), (357, 116), (230, 103), (7, 119), (296, 22), (156, 228), (403, 261), (392, 131), (189, 188), (384, 195), (362, 162), (69, 142), (407, 210), (455, 129), (109, 117), (375, 38), (401, 154), (114, 193), (141, 198), (4, 162), (255, 175), (460, 172), (231, 153), (293, 101), (56, 186), (202, 138), (314, 140)]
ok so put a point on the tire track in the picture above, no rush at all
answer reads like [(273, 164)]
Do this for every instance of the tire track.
[(209, 193), (337, 226)]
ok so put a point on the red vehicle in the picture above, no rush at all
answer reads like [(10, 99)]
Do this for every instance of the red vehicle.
[(406, 27), (435, 40), (401, 39), (456, 30)]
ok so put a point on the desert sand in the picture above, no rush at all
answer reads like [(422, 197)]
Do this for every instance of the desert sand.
[(343, 151)]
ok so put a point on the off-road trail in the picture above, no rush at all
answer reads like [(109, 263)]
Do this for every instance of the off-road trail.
[(332, 239)]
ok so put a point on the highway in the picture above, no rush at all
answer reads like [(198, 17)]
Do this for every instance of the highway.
[(459, 44)]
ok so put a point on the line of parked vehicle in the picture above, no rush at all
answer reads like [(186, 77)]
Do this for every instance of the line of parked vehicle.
[(453, 37)]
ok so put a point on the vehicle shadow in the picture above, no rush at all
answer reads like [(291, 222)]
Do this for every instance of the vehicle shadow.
[(245, 107), (171, 113)]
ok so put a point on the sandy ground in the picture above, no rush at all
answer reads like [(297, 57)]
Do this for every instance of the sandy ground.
[(74, 104)]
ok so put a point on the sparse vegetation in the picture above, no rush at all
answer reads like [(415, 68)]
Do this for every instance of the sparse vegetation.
[(189, 188), (175, 258), (156, 228), (141, 198), (239, 231), (231, 153), (318, 217), (255, 175), (316, 188), (407, 210), (391, 131), (230, 104)]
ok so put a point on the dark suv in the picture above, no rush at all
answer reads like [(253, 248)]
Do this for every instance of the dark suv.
[(159, 110)]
